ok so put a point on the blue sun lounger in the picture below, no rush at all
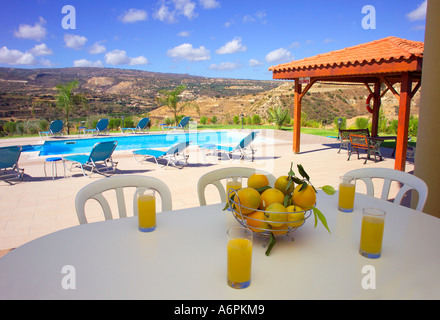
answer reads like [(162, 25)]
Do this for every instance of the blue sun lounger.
[(143, 124), (182, 124), (174, 155), (101, 126), (241, 148), (9, 163), (101, 152), (55, 128)]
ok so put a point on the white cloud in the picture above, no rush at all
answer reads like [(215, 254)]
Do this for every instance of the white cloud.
[(255, 63), (97, 48), (209, 4), (41, 50), (119, 57), (419, 13), (74, 41), (87, 63), (232, 47), (187, 52), (36, 32), (16, 57), (279, 55), (184, 34), (134, 15), (225, 66), (259, 16), (181, 7)]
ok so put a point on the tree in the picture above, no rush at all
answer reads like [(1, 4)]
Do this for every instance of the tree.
[(67, 100), (172, 99), (279, 115)]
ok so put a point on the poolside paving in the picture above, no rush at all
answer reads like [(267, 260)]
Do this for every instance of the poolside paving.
[(38, 205)]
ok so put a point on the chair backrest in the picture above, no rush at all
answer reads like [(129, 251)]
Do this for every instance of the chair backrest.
[(56, 126), (184, 122), (95, 189), (9, 156), (143, 123), (178, 147), (409, 181), (359, 141), (214, 177), (102, 150), (247, 140), (102, 124)]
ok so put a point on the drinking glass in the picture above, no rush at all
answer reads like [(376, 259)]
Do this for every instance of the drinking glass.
[(233, 182), (146, 201), (347, 187), (239, 255), (373, 222)]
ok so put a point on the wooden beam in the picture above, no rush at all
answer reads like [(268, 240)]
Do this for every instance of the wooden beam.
[(307, 87), (376, 108), (390, 86), (402, 128), (297, 117), (414, 91)]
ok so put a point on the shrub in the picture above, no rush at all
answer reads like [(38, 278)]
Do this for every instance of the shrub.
[(362, 123), (256, 119), (413, 125), (10, 127), (236, 119), (214, 120), (203, 120)]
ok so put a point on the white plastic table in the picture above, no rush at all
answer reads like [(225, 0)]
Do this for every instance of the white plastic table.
[(185, 258)]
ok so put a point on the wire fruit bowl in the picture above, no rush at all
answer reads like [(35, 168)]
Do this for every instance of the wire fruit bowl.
[(266, 227)]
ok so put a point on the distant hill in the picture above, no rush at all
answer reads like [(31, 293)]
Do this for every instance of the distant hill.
[(30, 93)]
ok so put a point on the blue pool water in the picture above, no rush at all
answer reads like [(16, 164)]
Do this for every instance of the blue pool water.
[(131, 142)]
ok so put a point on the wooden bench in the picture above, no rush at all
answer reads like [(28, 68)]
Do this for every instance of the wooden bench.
[(362, 141), (345, 137)]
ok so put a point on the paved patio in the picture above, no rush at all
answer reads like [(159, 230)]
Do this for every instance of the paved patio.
[(38, 205)]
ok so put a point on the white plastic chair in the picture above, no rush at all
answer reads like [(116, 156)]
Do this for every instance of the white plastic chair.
[(409, 181), (214, 177), (95, 189)]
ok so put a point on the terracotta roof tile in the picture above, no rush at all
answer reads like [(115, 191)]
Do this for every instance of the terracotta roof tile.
[(390, 48)]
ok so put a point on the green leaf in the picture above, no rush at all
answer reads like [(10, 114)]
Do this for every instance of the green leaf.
[(272, 242), (262, 189), (304, 185), (291, 172), (321, 218), (302, 172), (286, 200), (328, 190)]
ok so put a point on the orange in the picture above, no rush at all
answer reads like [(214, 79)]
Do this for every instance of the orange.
[(249, 198), (255, 221), (281, 184), (270, 196), (275, 215), (296, 218), (305, 198), (257, 180), (277, 231)]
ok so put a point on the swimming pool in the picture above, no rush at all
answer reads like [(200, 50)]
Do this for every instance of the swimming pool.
[(131, 142)]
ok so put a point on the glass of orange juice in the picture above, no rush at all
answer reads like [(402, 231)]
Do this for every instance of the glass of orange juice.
[(239, 255), (347, 187), (146, 201), (233, 182), (373, 222)]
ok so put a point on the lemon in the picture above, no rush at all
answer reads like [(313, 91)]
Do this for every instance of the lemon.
[(281, 184), (296, 217), (275, 215), (257, 181), (305, 198), (270, 196)]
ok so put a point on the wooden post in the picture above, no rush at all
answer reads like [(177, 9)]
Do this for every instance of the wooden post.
[(402, 128), (297, 116), (376, 108)]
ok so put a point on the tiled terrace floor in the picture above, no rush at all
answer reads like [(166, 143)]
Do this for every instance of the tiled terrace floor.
[(38, 206)]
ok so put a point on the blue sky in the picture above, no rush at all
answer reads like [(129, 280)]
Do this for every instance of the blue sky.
[(213, 38)]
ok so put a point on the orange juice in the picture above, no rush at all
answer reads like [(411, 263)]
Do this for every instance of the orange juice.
[(371, 236), (239, 262), (147, 212), (346, 196), (235, 185)]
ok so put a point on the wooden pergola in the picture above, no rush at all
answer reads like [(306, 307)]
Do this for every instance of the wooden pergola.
[(386, 61)]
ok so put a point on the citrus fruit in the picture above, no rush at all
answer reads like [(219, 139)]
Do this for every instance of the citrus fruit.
[(277, 231), (247, 197), (275, 214), (257, 180), (270, 196), (281, 184), (295, 219), (305, 198), (255, 221)]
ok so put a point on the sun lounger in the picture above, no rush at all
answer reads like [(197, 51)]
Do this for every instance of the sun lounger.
[(143, 124), (174, 155), (183, 124), (55, 128), (101, 127), (9, 163), (101, 152), (242, 148)]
